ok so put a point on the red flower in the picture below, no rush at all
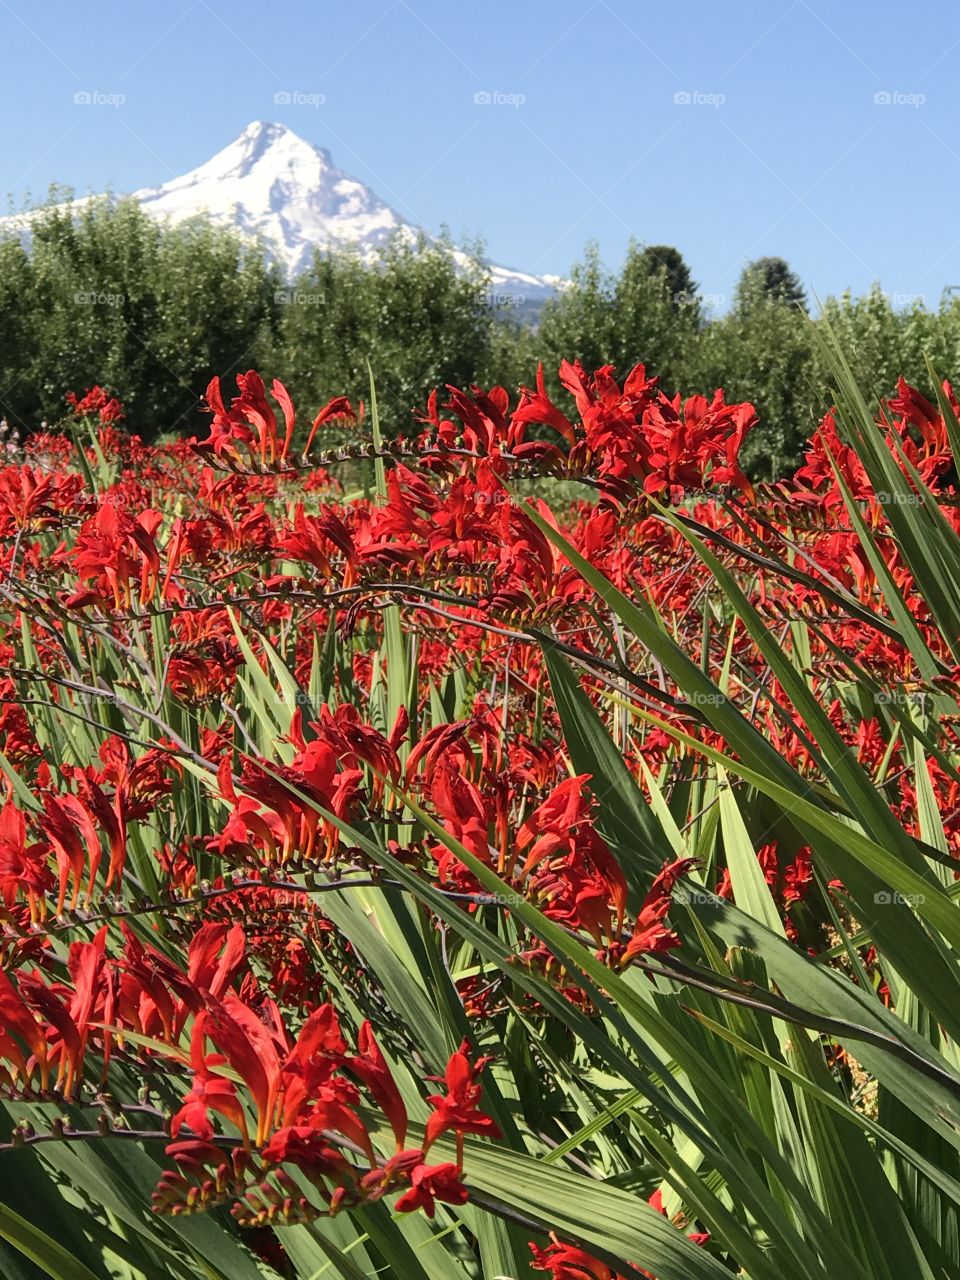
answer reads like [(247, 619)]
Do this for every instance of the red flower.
[(372, 1069), (337, 409), (567, 1262), (113, 550), (651, 933), (251, 1050), (22, 865), (250, 425), (96, 402), (430, 1182), (209, 1092), (457, 1109), (537, 407), (20, 1029)]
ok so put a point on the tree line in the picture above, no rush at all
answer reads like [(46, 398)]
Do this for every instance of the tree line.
[(111, 296)]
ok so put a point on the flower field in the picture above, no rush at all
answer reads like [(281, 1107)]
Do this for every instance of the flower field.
[(519, 847)]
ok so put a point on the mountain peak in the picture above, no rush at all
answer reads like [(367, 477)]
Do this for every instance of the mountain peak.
[(266, 145), (260, 128), (263, 136), (271, 184)]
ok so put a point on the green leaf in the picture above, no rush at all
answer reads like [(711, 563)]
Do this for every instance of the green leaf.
[(50, 1256)]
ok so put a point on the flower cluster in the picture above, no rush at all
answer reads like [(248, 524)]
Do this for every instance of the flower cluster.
[(96, 403), (235, 698)]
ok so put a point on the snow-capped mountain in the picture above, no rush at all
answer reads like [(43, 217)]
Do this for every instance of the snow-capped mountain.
[(273, 184)]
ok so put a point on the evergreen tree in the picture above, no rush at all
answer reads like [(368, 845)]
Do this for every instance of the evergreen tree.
[(656, 314), (769, 280), (657, 258)]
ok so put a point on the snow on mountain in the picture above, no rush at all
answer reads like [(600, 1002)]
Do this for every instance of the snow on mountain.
[(273, 184)]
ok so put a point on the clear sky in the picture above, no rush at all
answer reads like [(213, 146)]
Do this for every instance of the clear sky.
[(828, 133)]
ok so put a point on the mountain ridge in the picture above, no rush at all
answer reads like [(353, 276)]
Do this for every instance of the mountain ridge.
[(272, 184)]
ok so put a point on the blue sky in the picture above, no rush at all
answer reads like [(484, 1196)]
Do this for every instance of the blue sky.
[(825, 133)]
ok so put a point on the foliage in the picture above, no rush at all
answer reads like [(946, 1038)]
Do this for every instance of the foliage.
[(150, 309), (767, 354), (111, 295), (423, 322), (769, 280), (438, 885)]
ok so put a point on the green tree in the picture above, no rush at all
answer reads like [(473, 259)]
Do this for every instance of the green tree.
[(151, 311), (648, 313), (419, 321), (656, 316), (769, 279), (664, 258), (765, 354), (881, 342), (19, 402), (579, 324)]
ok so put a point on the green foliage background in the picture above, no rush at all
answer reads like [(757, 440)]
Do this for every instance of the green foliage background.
[(153, 312)]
